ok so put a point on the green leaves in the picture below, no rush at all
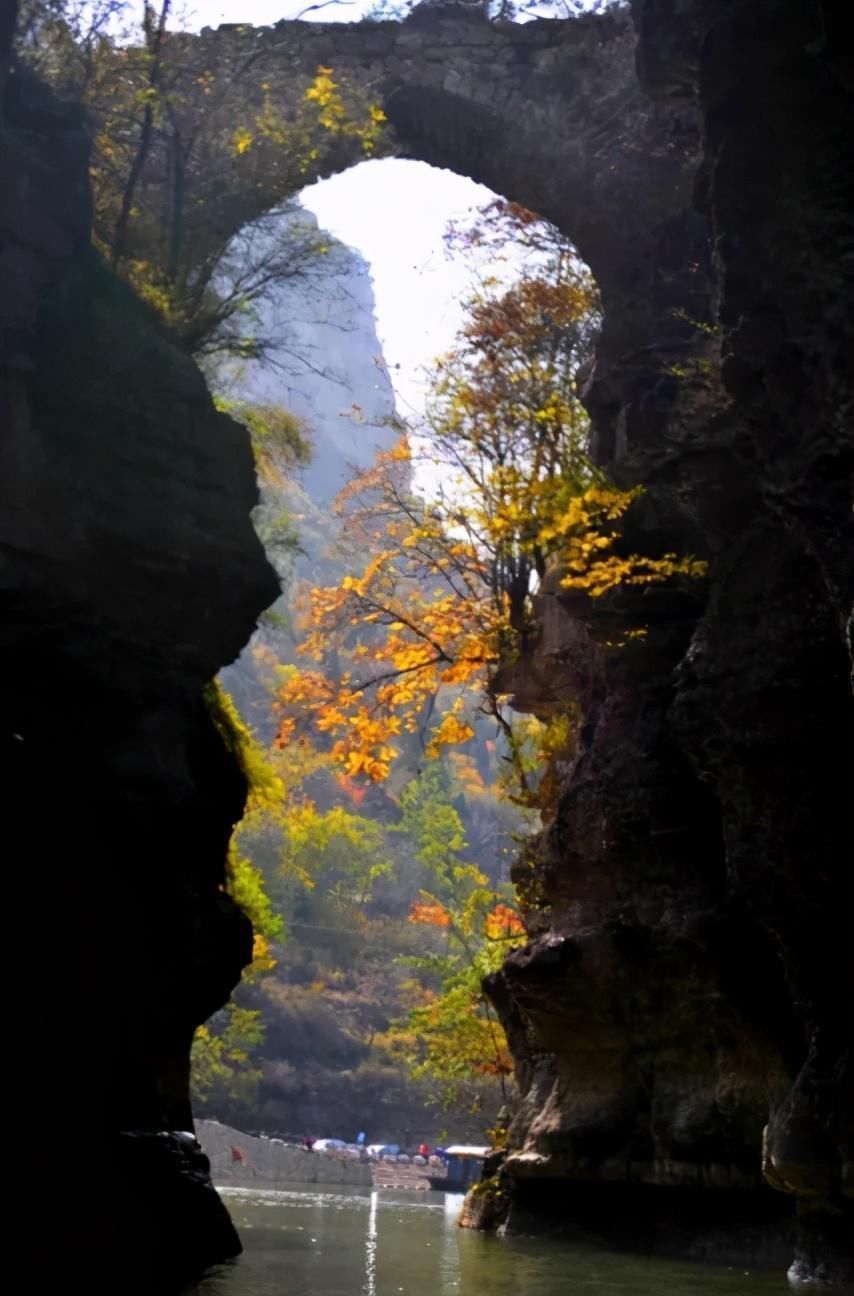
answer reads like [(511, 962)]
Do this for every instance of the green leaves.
[(223, 1074)]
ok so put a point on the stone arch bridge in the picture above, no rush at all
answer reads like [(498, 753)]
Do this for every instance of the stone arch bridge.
[(550, 114)]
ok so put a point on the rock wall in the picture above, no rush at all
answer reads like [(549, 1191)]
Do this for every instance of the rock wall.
[(129, 573), (272, 1163), (682, 1018), (322, 359)]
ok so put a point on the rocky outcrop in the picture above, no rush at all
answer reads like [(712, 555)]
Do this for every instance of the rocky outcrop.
[(129, 573), (689, 980), (682, 1016), (322, 359)]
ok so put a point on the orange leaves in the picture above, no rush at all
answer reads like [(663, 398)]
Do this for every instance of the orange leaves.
[(467, 776), (514, 320), (376, 768), (499, 1065), (406, 654), (390, 467), (362, 743), (446, 591), (306, 685), (400, 452), (354, 793), (469, 665), (416, 618), (503, 923), (430, 913)]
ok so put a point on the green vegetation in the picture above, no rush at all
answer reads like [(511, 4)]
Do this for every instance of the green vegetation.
[(381, 914)]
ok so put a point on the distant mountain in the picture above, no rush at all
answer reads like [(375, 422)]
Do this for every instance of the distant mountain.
[(323, 359)]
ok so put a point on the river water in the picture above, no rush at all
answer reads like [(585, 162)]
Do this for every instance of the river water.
[(345, 1243)]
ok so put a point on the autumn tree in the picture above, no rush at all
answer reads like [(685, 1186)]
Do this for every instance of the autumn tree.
[(386, 912), (195, 160), (220, 164), (460, 524), (60, 38), (451, 1036)]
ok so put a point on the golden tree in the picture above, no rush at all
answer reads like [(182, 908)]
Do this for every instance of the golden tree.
[(460, 525)]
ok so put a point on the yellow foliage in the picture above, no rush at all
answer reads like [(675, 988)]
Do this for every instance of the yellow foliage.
[(262, 960), (444, 597), (184, 157), (326, 96), (242, 140), (450, 732)]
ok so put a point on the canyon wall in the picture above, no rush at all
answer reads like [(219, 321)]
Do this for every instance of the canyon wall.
[(681, 1017), (129, 573), (323, 360)]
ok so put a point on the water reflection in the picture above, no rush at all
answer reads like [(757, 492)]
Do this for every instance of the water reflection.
[(385, 1243), (370, 1287)]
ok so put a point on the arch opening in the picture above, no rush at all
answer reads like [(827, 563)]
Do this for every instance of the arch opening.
[(362, 382)]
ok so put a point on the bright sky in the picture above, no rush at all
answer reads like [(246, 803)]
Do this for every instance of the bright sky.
[(209, 13), (395, 212)]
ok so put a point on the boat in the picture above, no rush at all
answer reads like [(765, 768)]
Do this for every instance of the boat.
[(463, 1167)]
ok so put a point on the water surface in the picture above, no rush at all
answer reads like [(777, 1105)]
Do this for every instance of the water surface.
[(346, 1243)]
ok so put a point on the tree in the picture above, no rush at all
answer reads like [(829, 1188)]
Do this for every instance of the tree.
[(451, 1036), (224, 1078), (154, 33), (220, 165), (389, 913), (414, 641), (195, 160)]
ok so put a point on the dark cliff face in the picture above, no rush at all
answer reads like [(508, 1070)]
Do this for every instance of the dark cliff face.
[(129, 573), (682, 1018), (688, 984)]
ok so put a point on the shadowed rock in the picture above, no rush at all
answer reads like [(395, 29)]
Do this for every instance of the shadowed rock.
[(688, 982)]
